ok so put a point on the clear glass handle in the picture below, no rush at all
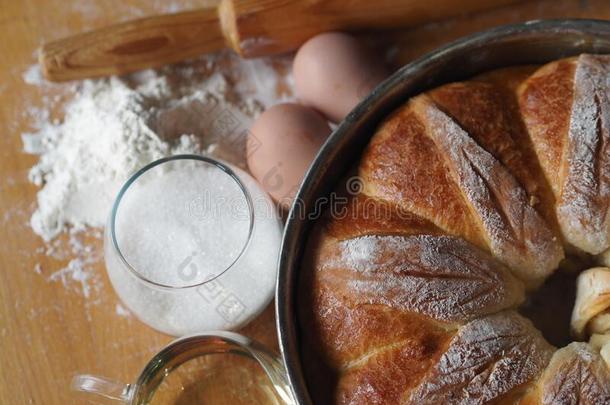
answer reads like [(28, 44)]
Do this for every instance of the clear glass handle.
[(102, 386)]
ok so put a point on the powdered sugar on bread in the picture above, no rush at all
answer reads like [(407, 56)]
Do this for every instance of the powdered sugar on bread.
[(585, 193), (517, 234)]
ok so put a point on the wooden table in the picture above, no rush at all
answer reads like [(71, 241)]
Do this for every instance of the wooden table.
[(48, 331)]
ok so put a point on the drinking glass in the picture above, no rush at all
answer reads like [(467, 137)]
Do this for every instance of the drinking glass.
[(191, 245)]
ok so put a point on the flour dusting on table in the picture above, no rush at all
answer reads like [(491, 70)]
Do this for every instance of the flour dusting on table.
[(112, 127)]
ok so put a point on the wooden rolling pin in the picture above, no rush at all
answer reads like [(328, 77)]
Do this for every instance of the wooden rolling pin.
[(250, 27)]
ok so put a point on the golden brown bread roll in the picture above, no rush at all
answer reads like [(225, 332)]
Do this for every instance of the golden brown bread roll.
[(472, 192), (576, 375), (601, 342), (437, 168), (592, 301), (565, 106)]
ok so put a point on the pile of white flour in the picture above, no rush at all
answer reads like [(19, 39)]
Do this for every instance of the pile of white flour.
[(109, 128), (113, 127)]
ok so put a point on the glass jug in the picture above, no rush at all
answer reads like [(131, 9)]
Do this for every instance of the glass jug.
[(161, 378)]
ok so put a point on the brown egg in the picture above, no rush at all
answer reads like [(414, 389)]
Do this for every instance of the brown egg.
[(333, 73), (282, 144)]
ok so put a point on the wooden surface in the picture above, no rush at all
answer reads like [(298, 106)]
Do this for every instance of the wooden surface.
[(50, 331)]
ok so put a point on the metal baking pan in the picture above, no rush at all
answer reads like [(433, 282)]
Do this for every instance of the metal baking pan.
[(534, 42)]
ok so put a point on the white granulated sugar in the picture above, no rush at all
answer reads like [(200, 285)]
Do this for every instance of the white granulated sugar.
[(184, 225), (109, 128), (169, 216)]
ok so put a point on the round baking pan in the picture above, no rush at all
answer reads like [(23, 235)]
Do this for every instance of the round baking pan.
[(534, 42)]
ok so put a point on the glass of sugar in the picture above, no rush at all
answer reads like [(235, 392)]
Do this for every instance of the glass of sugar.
[(192, 245)]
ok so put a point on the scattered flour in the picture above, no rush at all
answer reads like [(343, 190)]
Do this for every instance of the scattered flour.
[(496, 198), (92, 135), (75, 271), (33, 76), (443, 277), (486, 359), (122, 311), (581, 212)]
